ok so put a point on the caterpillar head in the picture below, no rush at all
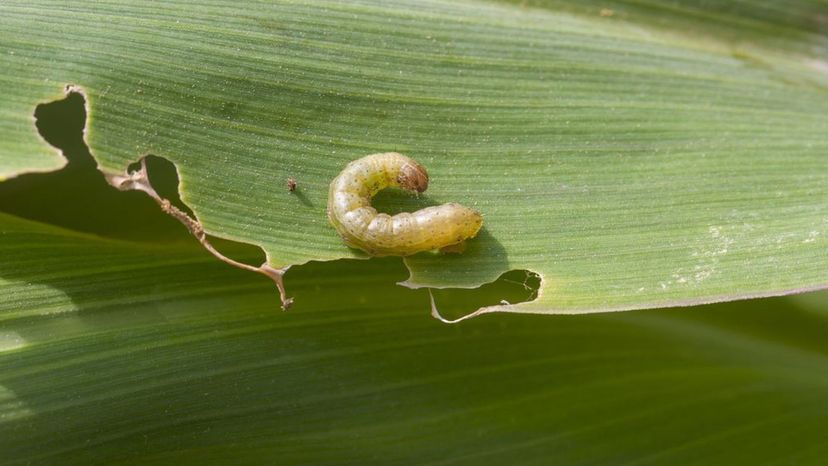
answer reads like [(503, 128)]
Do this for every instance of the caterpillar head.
[(413, 177)]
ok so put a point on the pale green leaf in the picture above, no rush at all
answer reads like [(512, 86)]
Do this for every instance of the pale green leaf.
[(642, 156), (21, 148)]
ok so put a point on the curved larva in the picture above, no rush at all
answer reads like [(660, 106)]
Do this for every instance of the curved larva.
[(378, 234)]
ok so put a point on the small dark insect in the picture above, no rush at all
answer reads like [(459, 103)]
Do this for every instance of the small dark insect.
[(291, 184)]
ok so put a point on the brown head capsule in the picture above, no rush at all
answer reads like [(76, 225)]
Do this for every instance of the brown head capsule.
[(413, 177)]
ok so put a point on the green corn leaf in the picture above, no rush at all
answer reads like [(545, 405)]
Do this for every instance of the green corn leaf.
[(631, 154)]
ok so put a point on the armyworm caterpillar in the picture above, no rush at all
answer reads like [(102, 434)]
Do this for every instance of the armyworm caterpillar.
[(378, 234)]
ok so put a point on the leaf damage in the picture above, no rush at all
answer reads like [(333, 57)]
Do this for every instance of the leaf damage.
[(139, 180), (139, 176)]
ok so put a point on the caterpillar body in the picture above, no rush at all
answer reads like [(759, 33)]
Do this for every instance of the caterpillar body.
[(361, 226)]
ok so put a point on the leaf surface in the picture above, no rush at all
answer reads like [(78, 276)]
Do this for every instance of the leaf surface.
[(642, 156)]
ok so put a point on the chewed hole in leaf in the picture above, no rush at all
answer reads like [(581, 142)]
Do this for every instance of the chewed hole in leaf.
[(513, 287), (162, 176), (77, 196), (164, 179), (61, 124)]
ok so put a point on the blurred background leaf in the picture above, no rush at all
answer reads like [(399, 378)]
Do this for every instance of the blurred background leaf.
[(124, 353)]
